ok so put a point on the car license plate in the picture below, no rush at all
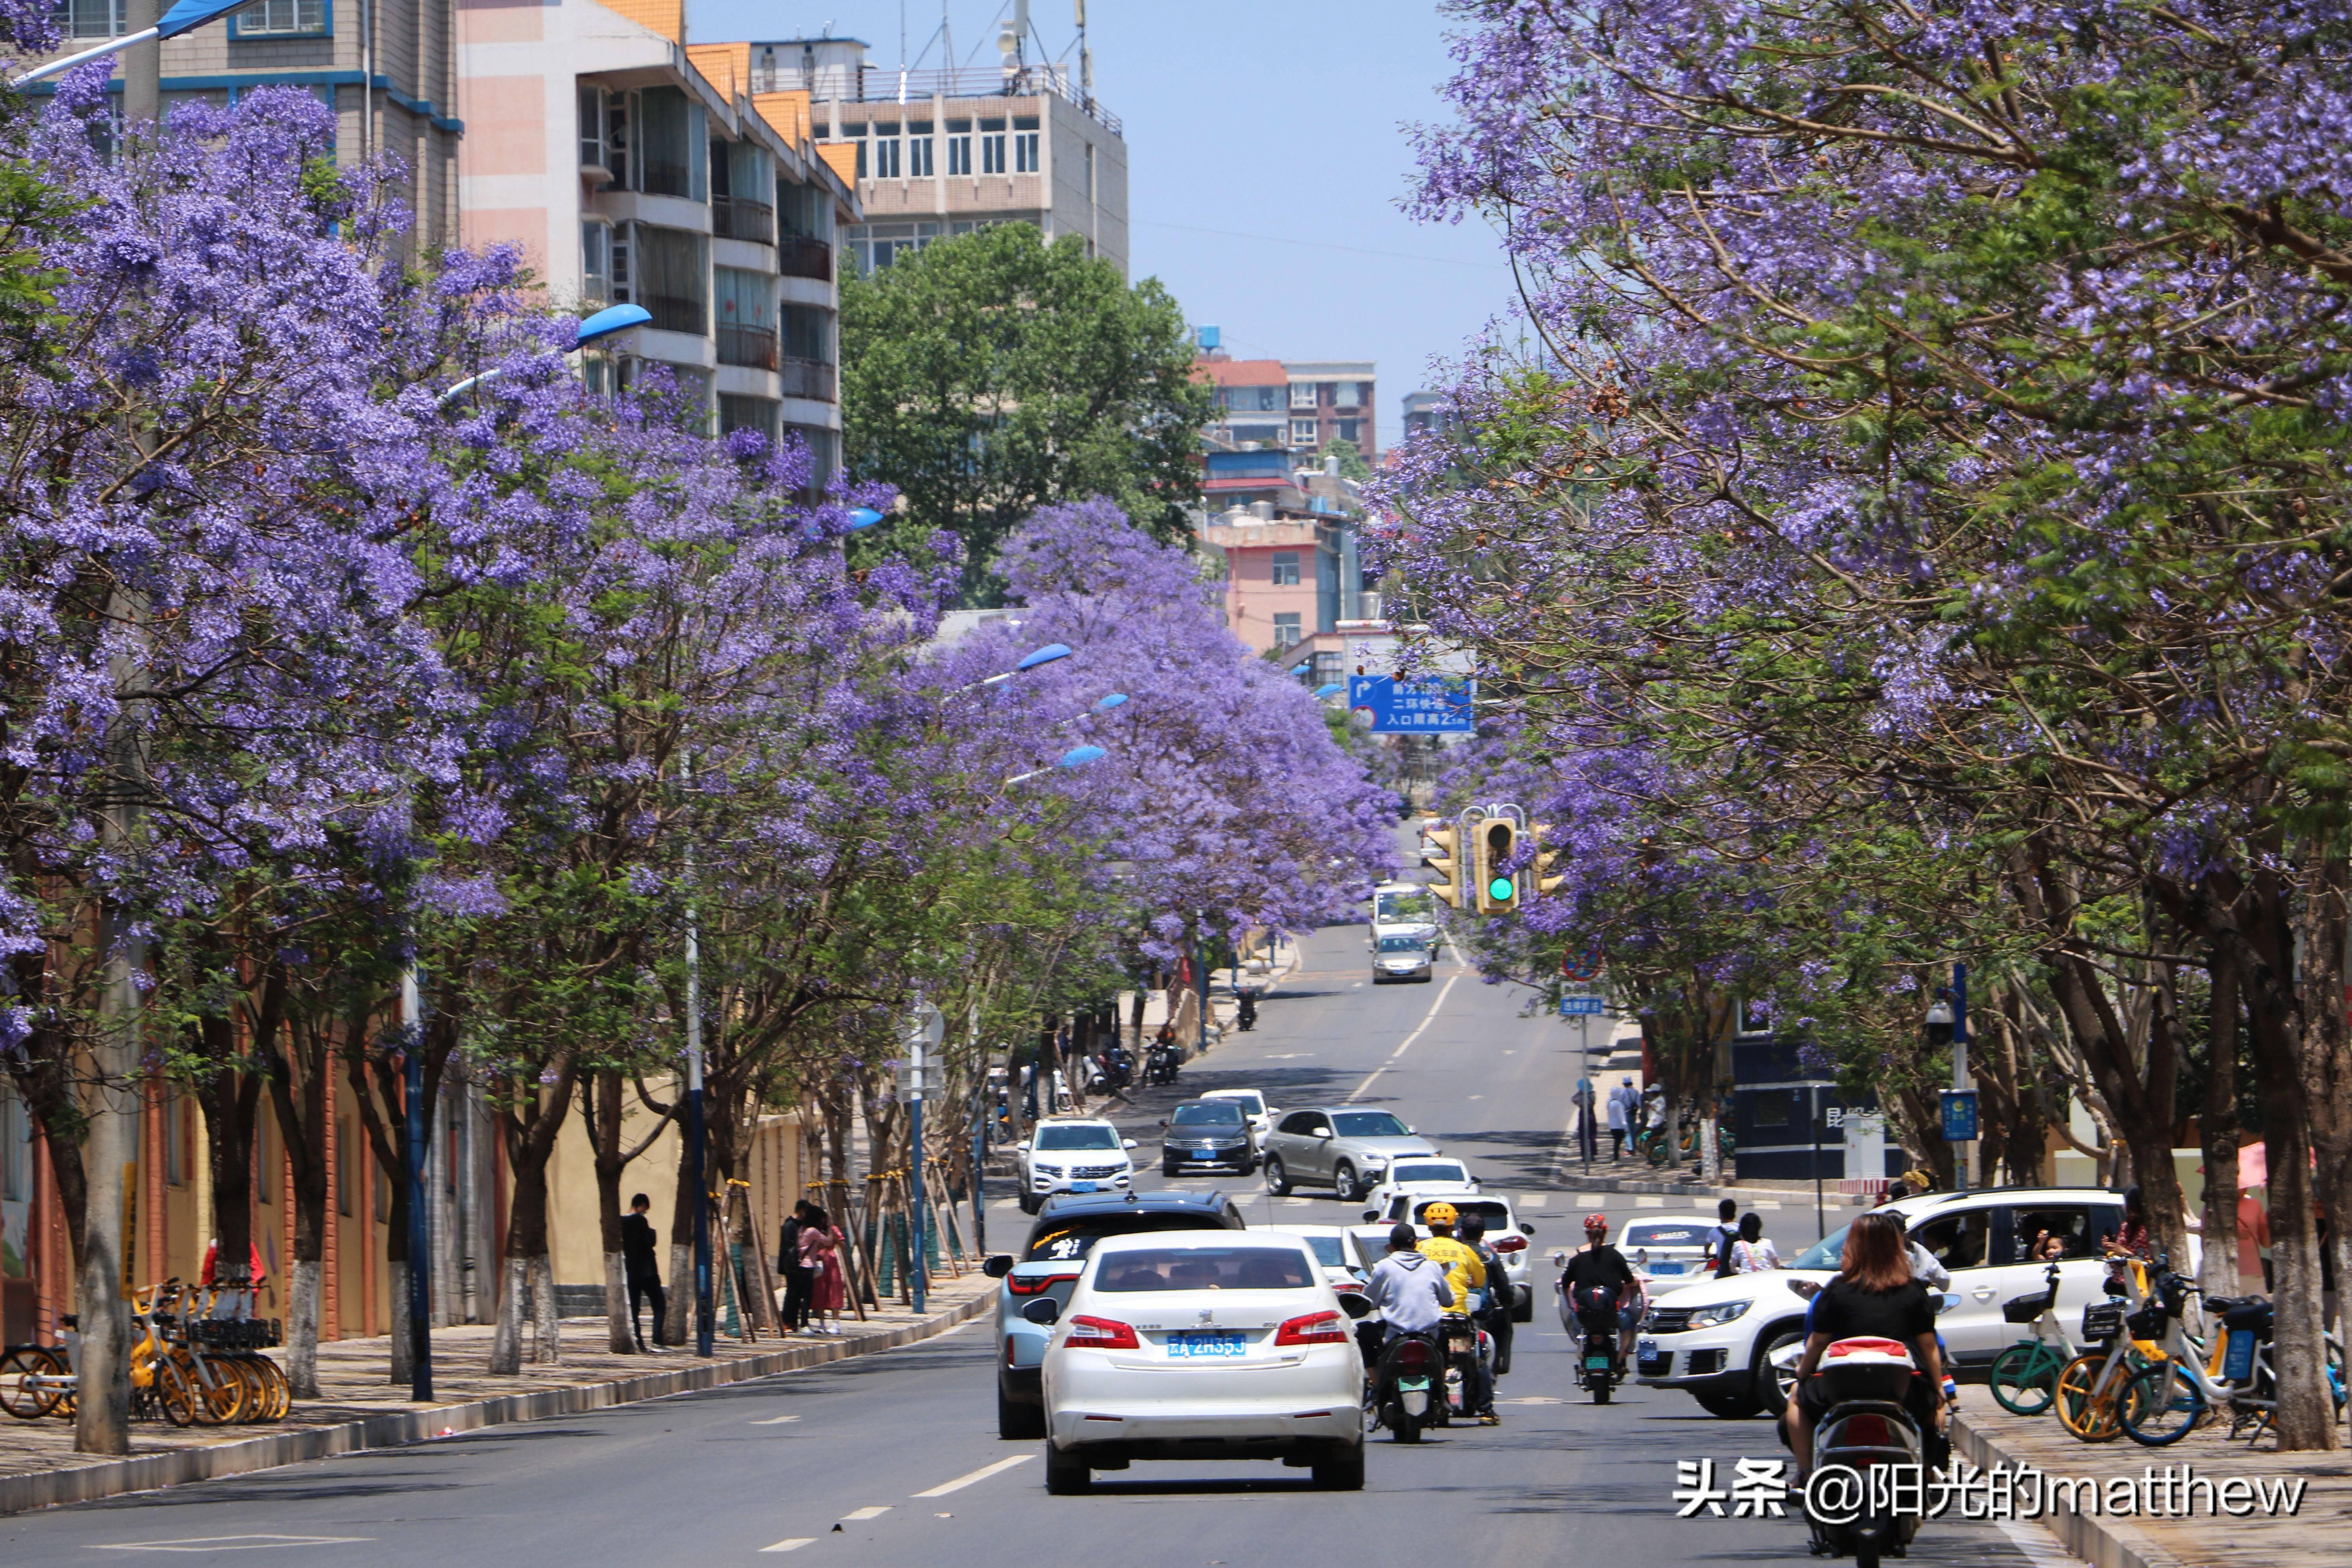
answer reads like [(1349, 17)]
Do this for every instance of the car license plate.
[(1665, 1269), (1082, 1187), (1647, 1349), (1197, 1343)]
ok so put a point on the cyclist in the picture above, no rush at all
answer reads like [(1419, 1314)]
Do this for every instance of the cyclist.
[(1466, 1275)]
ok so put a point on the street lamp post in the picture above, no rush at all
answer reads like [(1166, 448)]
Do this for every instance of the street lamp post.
[(1961, 1151), (605, 323), (184, 18), (420, 1235)]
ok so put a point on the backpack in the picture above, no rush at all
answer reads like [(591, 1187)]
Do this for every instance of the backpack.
[(1724, 1267)]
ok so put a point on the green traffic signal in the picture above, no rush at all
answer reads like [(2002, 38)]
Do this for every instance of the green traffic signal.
[(1499, 888)]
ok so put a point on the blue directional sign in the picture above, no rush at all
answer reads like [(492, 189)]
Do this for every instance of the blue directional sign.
[(1433, 705), (1581, 1007), (1960, 1115)]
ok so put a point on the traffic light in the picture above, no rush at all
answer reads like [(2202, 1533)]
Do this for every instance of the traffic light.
[(1539, 875), (1499, 889), (1446, 861)]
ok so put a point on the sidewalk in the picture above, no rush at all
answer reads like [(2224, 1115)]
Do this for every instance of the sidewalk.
[(2316, 1533), (38, 1468)]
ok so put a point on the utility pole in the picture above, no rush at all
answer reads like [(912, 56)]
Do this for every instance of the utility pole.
[(1960, 1067), (142, 66), (915, 1278), (420, 1228)]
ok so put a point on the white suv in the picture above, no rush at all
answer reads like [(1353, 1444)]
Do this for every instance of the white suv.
[(1070, 1154), (1715, 1340)]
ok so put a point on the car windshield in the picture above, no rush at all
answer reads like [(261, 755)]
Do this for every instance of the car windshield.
[(1051, 1137), (1074, 1238), (1249, 1101), (1406, 907), (1664, 1233), (1824, 1253), (1441, 1173), (1206, 1268), (1368, 1124), (1497, 1216), (1208, 1113), (1401, 944), (1326, 1250)]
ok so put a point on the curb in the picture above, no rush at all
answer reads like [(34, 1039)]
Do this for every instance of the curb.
[(2099, 1541), (1574, 1182), (147, 1472)]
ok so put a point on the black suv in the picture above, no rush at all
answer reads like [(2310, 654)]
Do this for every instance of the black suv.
[(1065, 1232), (1206, 1135)]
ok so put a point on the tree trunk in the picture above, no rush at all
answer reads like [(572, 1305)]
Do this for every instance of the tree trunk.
[(530, 1143), (679, 1317), (2218, 1130), (302, 1328), (403, 1358), (600, 1107), (547, 1335), (506, 1340), (298, 1086)]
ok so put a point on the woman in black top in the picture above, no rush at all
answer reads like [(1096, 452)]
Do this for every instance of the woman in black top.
[(1873, 1297)]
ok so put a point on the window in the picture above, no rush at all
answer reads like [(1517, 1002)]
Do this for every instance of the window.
[(346, 1162), (886, 149), (16, 1150), (592, 128), (1197, 1267), (1286, 569), (93, 18), (1772, 1108), (669, 268), (282, 19), (616, 137), (1025, 158), (1350, 394), (1254, 399), (992, 147), (1286, 630), (175, 1114), (806, 332), (1349, 428), (1304, 1124), (1302, 395), (673, 147), (595, 261), (1090, 171), (1302, 432), (858, 133), (919, 148), (747, 414), (876, 245), (959, 146), (747, 318), (2069, 1224), (822, 447), (1956, 1240), (742, 183), (1066, 1137), (805, 212)]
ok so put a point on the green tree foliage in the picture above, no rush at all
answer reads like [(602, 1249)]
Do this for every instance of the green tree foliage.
[(1351, 459), (993, 374)]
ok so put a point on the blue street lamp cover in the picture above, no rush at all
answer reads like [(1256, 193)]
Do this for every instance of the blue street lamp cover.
[(189, 14), (1079, 756), (1330, 688), (604, 322), (863, 517), (1116, 700), (1302, 669), (1046, 655)]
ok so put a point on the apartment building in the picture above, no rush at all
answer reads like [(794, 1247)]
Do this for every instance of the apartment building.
[(384, 66), (935, 153), (632, 166), (1299, 405), (1427, 411)]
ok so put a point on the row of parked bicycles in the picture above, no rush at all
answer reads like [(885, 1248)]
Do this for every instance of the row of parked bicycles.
[(195, 1361), (2141, 1371)]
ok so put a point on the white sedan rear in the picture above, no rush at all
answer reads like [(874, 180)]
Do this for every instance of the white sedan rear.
[(1214, 1345)]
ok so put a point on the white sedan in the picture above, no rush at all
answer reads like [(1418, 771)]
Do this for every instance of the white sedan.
[(1202, 1346)]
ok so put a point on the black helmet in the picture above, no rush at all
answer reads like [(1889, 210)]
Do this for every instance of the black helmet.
[(1402, 1237)]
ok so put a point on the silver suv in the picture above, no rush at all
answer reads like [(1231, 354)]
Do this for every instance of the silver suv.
[(1348, 1147)]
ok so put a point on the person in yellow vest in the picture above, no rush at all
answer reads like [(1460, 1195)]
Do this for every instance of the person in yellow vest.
[(1465, 1274)]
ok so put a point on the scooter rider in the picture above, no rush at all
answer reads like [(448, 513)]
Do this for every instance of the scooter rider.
[(1496, 1319), (1408, 1292), (1600, 1266), (1465, 1273), (1246, 1011)]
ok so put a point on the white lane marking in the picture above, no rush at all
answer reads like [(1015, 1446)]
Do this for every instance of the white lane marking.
[(1288, 1056), (1765, 1203), (794, 1544), (1294, 1203), (1593, 1201), (1533, 1399), (1534, 1200), (1478, 1096), (980, 1474), (775, 1421), (867, 1513), (2041, 1548), (1649, 1202), (229, 1542), (1406, 1044)]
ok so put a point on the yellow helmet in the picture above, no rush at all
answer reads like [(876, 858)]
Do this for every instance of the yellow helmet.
[(1440, 1213)]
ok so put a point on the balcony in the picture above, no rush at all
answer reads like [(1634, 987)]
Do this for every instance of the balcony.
[(810, 378), (663, 178), (672, 313), (752, 346), (798, 257), (739, 217)]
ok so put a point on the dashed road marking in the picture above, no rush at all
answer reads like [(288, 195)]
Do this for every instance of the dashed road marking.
[(775, 1421), (1648, 1203), (1534, 1200), (1406, 1044), (794, 1544), (230, 1542), (980, 1474), (860, 1515)]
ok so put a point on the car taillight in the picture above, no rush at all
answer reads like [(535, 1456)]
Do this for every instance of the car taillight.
[(1509, 1243), (1102, 1334), (1037, 1284), (1315, 1329), (1865, 1431)]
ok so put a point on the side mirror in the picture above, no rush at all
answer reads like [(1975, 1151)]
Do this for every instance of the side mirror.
[(1370, 1216), (1163, 1121), (1354, 1305), (1805, 1290), (1414, 1130), (1322, 1133), (998, 1266), (1946, 1301), (1043, 1311), (1126, 1143), (1022, 1147), (1526, 1229)]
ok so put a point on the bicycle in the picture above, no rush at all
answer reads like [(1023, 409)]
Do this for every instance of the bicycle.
[(38, 1380), (2167, 1402), (2088, 1394), (2025, 1375)]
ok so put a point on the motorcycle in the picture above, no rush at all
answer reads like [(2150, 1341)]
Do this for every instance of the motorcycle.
[(1867, 1425), (1159, 1065), (1398, 1393), (1600, 1357), (1466, 1346), (1245, 1012)]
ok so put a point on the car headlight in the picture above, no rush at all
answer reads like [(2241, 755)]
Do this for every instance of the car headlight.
[(1053, 1171), (1717, 1315)]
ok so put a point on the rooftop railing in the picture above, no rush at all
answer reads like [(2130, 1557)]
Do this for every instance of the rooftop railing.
[(883, 84)]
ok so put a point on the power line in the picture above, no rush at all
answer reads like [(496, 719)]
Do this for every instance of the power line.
[(1314, 244)]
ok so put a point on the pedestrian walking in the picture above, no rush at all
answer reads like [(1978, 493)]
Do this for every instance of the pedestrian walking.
[(821, 1245), (792, 1270), (645, 1276), (1623, 1100), (1721, 1237)]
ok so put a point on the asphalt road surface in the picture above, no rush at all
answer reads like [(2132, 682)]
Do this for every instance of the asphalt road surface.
[(892, 1460)]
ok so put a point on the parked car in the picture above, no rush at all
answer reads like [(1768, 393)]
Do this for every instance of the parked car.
[(1254, 1107), (1505, 1233), (1714, 1340), (1400, 955), (1073, 1154), (1194, 1346), (1207, 1134), (1348, 1147), (1328, 1243), (1431, 1174), (1048, 1266), (1668, 1251)]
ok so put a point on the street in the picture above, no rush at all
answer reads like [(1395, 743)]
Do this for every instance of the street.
[(893, 1459)]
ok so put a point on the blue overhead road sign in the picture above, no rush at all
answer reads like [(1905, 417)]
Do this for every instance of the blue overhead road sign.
[(1433, 705)]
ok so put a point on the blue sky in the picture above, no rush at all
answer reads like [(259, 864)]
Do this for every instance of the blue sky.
[(1265, 158)]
